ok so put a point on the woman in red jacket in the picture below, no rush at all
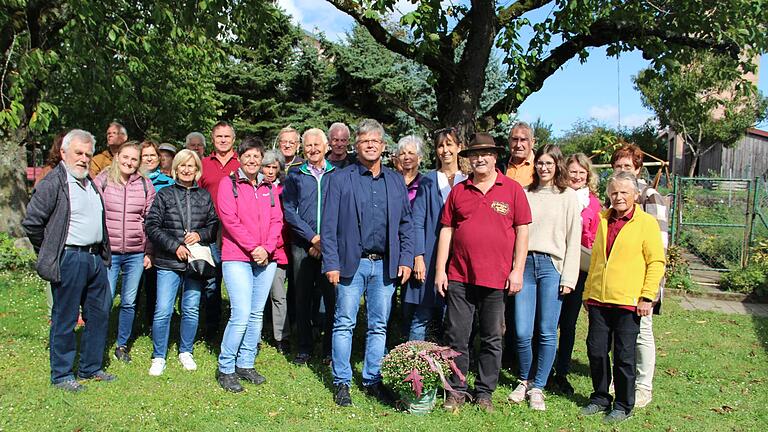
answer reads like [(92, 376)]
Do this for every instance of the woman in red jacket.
[(128, 195)]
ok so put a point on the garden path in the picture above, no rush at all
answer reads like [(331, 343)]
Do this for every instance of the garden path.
[(724, 306)]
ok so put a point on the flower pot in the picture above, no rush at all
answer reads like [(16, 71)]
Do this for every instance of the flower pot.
[(421, 405)]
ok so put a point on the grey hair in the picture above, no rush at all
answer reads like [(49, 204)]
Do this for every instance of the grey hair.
[(367, 126), (335, 126), (194, 135), (79, 135), (316, 133), (522, 125), (411, 140), (624, 176), (271, 156), (121, 128)]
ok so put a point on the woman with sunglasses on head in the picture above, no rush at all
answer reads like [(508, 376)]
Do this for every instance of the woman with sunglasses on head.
[(551, 271), (420, 300), (583, 180)]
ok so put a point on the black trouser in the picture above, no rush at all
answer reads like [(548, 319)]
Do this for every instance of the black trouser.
[(462, 300), (309, 281), (150, 294), (569, 315), (212, 298), (618, 327)]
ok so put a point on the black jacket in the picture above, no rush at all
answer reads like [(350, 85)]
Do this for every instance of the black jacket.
[(47, 224), (165, 227)]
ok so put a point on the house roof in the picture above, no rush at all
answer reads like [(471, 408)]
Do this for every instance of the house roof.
[(758, 132)]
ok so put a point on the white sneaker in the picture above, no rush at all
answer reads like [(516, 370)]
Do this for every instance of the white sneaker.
[(157, 367), (518, 394), (187, 361), (536, 399), (642, 398)]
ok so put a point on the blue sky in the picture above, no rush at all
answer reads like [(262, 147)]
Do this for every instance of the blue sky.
[(601, 88)]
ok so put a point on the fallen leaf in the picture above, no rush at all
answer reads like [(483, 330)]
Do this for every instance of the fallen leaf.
[(688, 417), (725, 409), (672, 372), (273, 414), (701, 322)]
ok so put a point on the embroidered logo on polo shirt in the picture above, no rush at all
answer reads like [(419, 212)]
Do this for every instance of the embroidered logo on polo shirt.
[(501, 208)]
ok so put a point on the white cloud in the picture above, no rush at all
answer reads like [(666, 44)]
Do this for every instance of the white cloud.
[(289, 6), (634, 120), (606, 113)]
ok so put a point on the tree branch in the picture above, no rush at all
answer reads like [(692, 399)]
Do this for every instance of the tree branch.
[(517, 9), (381, 35), (420, 118), (601, 32)]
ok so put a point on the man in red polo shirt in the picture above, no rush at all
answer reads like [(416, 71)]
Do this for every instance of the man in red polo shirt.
[(219, 164), (485, 226)]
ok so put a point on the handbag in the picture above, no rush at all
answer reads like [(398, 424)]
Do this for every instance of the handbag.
[(200, 261)]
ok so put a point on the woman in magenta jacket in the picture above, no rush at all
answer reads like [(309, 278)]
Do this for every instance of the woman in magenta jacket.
[(128, 195), (252, 221), (583, 180)]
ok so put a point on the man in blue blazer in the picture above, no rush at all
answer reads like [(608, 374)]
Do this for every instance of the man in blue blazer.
[(367, 243)]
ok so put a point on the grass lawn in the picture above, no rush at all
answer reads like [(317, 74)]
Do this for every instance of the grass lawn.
[(712, 374)]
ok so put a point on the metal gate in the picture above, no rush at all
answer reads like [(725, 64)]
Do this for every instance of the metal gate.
[(713, 219)]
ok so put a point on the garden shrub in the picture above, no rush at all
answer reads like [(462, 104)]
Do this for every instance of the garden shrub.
[(13, 258), (677, 272), (752, 278)]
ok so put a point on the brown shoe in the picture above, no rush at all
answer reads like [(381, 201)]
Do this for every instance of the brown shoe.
[(453, 402), (485, 404)]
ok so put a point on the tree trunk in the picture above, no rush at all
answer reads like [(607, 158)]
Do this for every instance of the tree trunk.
[(13, 186), (694, 162)]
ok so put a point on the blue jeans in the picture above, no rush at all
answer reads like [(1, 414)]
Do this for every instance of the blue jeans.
[(369, 279), (168, 282), (132, 266), (419, 317), (538, 301), (248, 286), (83, 283)]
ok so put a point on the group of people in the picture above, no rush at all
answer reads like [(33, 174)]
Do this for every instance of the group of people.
[(510, 247)]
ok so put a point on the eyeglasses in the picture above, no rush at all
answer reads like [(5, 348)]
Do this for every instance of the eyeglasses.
[(149, 156), (340, 140), (547, 164), (287, 142), (516, 139), (449, 130), (369, 142)]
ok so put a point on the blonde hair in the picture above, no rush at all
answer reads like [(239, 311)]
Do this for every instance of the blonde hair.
[(183, 156), (113, 172), (584, 162)]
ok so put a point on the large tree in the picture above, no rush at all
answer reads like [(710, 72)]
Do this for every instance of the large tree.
[(77, 63), (537, 37), (707, 101)]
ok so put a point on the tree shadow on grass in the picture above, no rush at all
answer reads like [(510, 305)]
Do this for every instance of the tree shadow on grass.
[(761, 330)]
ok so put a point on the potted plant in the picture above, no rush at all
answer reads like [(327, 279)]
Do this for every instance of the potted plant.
[(415, 370)]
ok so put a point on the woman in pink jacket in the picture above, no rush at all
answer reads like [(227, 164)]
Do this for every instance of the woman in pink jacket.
[(583, 180), (128, 195), (251, 220)]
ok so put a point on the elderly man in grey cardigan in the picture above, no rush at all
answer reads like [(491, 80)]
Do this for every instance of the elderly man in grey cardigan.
[(65, 223)]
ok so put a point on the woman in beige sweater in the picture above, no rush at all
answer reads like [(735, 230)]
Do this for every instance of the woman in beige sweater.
[(551, 271)]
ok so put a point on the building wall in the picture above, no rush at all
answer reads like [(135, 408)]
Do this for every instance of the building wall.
[(747, 159)]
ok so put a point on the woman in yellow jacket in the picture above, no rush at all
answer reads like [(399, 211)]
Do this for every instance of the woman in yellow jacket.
[(624, 274)]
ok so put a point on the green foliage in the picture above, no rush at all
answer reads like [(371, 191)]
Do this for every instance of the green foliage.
[(596, 139), (677, 272), (751, 279), (13, 258)]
